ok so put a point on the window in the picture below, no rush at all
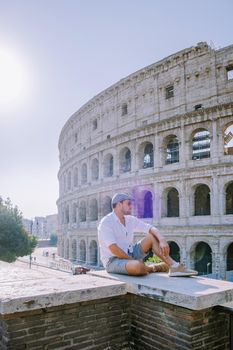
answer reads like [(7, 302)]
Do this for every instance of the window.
[(169, 91), (173, 203), (94, 124), (201, 145), (229, 199), (95, 169), (82, 212), (230, 73), (125, 160), (124, 109), (69, 181), (202, 200), (74, 214), (148, 205), (93, 253), (67, 215), (82, 252), (107, 206), (93, 210), (148, 159), (172, 150), (108, 165), (84, 173), (75, 177), (228, 140)]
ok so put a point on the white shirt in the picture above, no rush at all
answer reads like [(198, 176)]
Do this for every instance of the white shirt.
[(112, 231)]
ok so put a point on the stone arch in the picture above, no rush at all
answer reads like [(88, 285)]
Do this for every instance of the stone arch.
[(201, 254), (228, 139), (171, 149), (82, 211), (75, 177), (74, 212), (67, 249), (93, 209), (84, 173), (125, 160), (62, 248), (106, 205), (144, 204), (229, 198), (67, 214), (170, 202), (64, 183), (200, 142), (69, 181), (174, 250), (146, 155), (93, 253), (124, 109), (82, 251), (95, 169), (173, 207), (202, 200), (229, 257), (108, 165), (74, 249)]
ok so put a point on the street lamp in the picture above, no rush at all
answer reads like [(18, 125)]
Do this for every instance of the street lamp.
[(30, 256)]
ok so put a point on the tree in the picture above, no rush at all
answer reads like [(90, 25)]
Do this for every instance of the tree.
[(14, 239), (53, 239)]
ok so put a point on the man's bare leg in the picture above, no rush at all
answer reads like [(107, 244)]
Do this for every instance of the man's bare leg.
[(150, 242), (137, 268)]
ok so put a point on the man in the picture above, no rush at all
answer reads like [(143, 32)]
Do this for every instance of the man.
[(120, 255)]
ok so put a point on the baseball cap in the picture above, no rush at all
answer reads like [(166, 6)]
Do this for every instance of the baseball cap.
[(119, 197)]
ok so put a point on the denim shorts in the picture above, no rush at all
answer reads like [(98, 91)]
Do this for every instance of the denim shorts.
[(116, 265)]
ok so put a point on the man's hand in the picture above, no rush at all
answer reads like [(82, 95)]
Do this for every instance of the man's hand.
[(164, 247)]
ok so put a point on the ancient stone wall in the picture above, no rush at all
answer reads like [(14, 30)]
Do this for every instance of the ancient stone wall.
[(120, 323), (120, 141)]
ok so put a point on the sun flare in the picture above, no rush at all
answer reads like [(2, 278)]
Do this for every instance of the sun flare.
[(12, 77)]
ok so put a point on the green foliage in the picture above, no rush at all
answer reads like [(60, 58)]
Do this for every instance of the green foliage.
[(53, 239), (14, 239), (154, 259)]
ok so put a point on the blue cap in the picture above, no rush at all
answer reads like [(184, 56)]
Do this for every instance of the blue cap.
[(119, 197)]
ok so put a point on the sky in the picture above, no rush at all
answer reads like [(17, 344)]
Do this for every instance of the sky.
[(55, 55)]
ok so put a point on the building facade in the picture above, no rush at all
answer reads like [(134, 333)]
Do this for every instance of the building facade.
[(163, 134), (42, 227)]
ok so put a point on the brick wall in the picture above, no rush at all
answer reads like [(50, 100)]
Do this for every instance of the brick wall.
[(157, 325), (120, 323), (93, 325)]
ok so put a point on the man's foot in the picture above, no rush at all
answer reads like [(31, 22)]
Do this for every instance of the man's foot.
[(181, 271), (158, 267)]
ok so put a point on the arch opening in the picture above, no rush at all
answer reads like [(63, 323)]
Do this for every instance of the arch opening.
[(203, 258), (202, 200)]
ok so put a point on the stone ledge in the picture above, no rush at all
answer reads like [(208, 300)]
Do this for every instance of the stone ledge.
[(24, 290), (195, 293)]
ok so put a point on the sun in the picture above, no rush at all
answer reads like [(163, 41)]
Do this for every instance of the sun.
[(12, 77)]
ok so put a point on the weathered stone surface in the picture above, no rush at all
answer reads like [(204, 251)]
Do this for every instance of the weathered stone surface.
[(23, 290), (196, 293)]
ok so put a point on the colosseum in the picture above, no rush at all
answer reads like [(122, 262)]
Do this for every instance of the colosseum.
[(165, 135)]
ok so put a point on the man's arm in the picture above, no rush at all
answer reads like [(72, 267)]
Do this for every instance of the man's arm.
[(118, 252), (164, 247)]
